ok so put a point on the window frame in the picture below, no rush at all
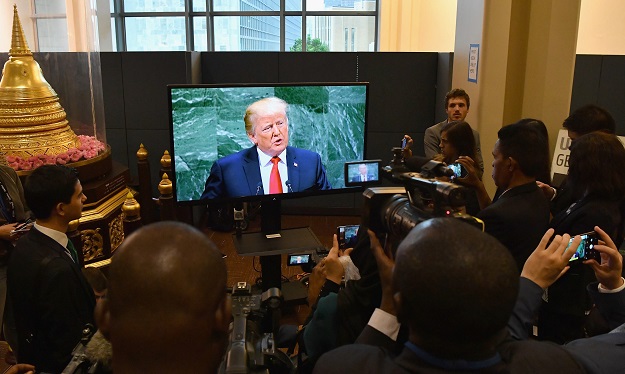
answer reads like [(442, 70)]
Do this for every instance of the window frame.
[(120, 16)]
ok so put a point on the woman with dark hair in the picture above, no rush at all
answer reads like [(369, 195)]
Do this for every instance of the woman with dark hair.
[(597, 180), (457, 140)]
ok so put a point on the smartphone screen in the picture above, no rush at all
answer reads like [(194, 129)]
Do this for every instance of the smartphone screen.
[(403, 143), (458, 169), (347, 235), (299, 259), (585, 250)]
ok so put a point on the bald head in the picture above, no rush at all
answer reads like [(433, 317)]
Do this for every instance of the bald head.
[(457, 284), (166, 299)]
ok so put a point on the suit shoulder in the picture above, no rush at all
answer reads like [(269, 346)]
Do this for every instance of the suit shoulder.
[(301, 152), (357, 357), (235, 158), (538, 357)]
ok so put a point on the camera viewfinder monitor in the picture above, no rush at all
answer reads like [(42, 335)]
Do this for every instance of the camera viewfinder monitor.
[(216, 160), (362, 173)]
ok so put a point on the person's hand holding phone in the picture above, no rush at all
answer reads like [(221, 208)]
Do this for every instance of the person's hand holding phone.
[(333, 268), (7, 231), (550, 260), (472, 178), (406, 145), (609, 271)]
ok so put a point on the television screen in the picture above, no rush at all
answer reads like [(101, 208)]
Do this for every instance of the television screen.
[(216, 158)]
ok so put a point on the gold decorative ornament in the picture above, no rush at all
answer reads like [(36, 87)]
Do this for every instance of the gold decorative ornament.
[(32, 121), (165, 187), (142, 153), (131, 207), (166, 160), (116, 231), (92, 244)]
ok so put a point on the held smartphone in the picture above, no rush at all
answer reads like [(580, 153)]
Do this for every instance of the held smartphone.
[(585, 250), (403, 143), (346, 236), (299, 259), (459, 170), (23, 227)]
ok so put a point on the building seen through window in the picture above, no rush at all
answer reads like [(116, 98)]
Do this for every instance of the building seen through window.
[(243, 25)]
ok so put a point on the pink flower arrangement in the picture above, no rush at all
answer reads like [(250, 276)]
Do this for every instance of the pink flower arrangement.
[(89, 148)]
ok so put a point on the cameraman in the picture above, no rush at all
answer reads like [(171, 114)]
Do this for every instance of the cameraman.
[(519, 215)]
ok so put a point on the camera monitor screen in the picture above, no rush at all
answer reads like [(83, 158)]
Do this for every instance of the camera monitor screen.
[(293, 141)]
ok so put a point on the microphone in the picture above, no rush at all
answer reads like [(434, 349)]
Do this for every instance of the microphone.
[(259, 189), (289, 186), (427, 167)]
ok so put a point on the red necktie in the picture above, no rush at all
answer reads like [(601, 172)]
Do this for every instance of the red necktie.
[(275, 183)]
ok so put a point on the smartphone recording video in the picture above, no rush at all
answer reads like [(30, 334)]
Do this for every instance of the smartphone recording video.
[(299, 259), (347, 236), (459, 170), (585, 250)]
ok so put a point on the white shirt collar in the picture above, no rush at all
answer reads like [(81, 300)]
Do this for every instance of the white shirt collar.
[(264, 159), (57, 236)]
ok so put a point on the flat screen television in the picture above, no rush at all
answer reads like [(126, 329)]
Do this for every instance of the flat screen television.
[(207, 125)]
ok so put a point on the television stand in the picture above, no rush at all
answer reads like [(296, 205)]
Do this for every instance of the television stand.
[(269, 247)]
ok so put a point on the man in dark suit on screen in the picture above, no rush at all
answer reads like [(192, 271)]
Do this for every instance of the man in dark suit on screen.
[(363, 174), (51, 299), (270, 166)]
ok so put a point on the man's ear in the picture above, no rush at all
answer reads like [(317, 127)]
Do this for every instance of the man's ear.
[(59, 210), (223, 315), (513, 164), (103, 318), (252, 138)]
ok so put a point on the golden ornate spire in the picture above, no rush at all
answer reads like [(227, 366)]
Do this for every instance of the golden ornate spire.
[(19, 47), (32, 121)]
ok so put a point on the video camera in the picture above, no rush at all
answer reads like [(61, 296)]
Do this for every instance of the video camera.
[(394, 211), (252, 346), (81, 363)]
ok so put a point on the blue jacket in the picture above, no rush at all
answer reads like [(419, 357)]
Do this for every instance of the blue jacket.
[(238, 174)]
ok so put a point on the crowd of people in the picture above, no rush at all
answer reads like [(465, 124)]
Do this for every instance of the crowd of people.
[(449, 298)]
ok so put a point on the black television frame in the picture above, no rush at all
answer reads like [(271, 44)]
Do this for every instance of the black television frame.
[(268, 197)]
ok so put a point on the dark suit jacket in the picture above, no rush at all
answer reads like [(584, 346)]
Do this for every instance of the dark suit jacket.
[(239, 174), (600, 354), (518, 219), (568, 296), (356, 178), (372, 356), (52, 302)]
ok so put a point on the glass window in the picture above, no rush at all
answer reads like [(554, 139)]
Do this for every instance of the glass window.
[(200, 34), (52, 35), (248, 25), (114, 35), (49, 7), (199, 5), (333, 31), (247, 33), (154, 5), (293, 5), (155, 34), (293, 34)]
